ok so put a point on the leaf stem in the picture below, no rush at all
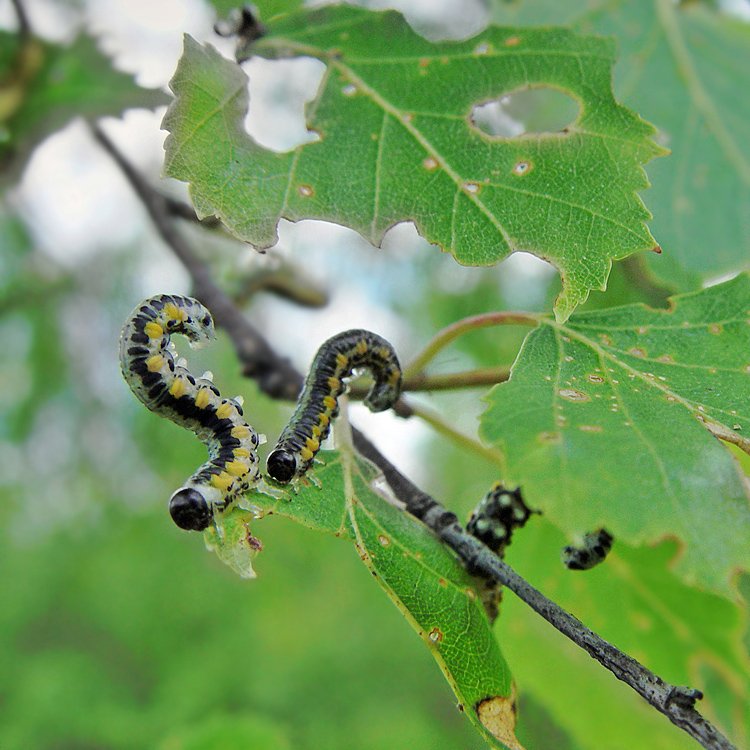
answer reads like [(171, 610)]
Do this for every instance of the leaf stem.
[(460, 327)]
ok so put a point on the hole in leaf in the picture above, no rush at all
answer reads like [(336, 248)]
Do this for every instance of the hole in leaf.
[(279, 90), (526, 111)]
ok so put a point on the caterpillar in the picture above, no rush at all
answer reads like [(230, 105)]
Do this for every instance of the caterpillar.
[(167, 388), (497, 515), (310, 423), (595, 547)]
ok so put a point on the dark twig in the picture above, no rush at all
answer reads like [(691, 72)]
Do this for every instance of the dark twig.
[(263, 364), (24, 28)]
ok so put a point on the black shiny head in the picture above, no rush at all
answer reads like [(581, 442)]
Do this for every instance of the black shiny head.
[(281, 466), (189, 510)]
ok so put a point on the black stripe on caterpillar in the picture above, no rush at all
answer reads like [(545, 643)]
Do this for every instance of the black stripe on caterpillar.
[(169, 389), (497, 515), (595, 547), (336, 359)]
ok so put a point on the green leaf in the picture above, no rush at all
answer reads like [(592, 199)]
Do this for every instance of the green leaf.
[(45, 85), (611, 421), (397, 143), (635, 601), (683, 66), (424, 580)]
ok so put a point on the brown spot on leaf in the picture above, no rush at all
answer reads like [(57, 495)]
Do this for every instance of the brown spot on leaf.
[(471, 187), (522, 167), (498, 716), (384, 540), (570, 394), (590, 428), (305, 191), (637, 352), (512, 41), (715, 329), (436, 635), (656, 249), (430, 163), (548, 437), (595, 378)]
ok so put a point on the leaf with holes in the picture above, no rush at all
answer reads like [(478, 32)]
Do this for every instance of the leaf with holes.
[(397, 142), (422, 577), (682, 65), (611, 420)]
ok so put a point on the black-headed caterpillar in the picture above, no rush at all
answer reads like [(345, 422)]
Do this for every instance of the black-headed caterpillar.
[(497, 515), (310, 424), (167, 388), (595, 547)]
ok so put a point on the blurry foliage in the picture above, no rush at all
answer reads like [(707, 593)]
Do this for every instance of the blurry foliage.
[(119, 631)]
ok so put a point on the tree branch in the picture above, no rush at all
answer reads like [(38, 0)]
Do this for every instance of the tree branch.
[(278, 378)]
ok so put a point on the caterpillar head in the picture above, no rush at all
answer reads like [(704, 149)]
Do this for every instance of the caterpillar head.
[(282, 466), (190, 510)]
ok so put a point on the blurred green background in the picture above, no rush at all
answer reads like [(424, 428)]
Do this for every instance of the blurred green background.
[(118, 630)]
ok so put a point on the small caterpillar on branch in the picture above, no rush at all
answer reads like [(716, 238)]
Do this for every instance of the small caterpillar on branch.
[(595, 547), (497, 515), (170, 390), (310, 424)]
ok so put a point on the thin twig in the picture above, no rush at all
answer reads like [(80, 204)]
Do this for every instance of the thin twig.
[(24, 28), (460, 327), (259, 361)]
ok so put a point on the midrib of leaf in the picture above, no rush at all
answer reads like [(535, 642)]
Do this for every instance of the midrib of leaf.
[(703, 102), (604, 354), (678, 625)]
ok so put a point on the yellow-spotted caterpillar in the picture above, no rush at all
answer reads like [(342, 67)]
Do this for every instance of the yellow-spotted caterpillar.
[(595, 547), (167, 388), (336, 359), (497, 515)]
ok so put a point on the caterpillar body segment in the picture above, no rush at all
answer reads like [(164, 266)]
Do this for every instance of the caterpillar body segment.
[(317, 406), (594, 549), (496, 517), (168, 388)]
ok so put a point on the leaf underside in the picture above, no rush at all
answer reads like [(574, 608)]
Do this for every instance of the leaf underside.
[(420, 575), (610, 420), (397, 143)]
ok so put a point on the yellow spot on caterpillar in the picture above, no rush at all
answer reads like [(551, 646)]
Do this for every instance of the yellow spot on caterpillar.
[(329, 402), (153, 330), (202, 399), (222, 481), (237, 468), (178, 388), (224, 410), (316, 431), (361, 347), (312, 444), (342, 360), (324, 419), (155, 363), (175, 313), (241, 453), (334, 383), (306, 454), (240, 431), (394, 377)]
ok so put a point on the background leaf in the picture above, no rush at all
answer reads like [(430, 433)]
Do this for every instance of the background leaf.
[(604, 423), (46, 85), (394, 114)]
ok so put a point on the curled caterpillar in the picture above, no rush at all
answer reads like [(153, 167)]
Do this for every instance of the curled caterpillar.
[(336, 359), (167, 388), (596, 546), (497, 515)]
